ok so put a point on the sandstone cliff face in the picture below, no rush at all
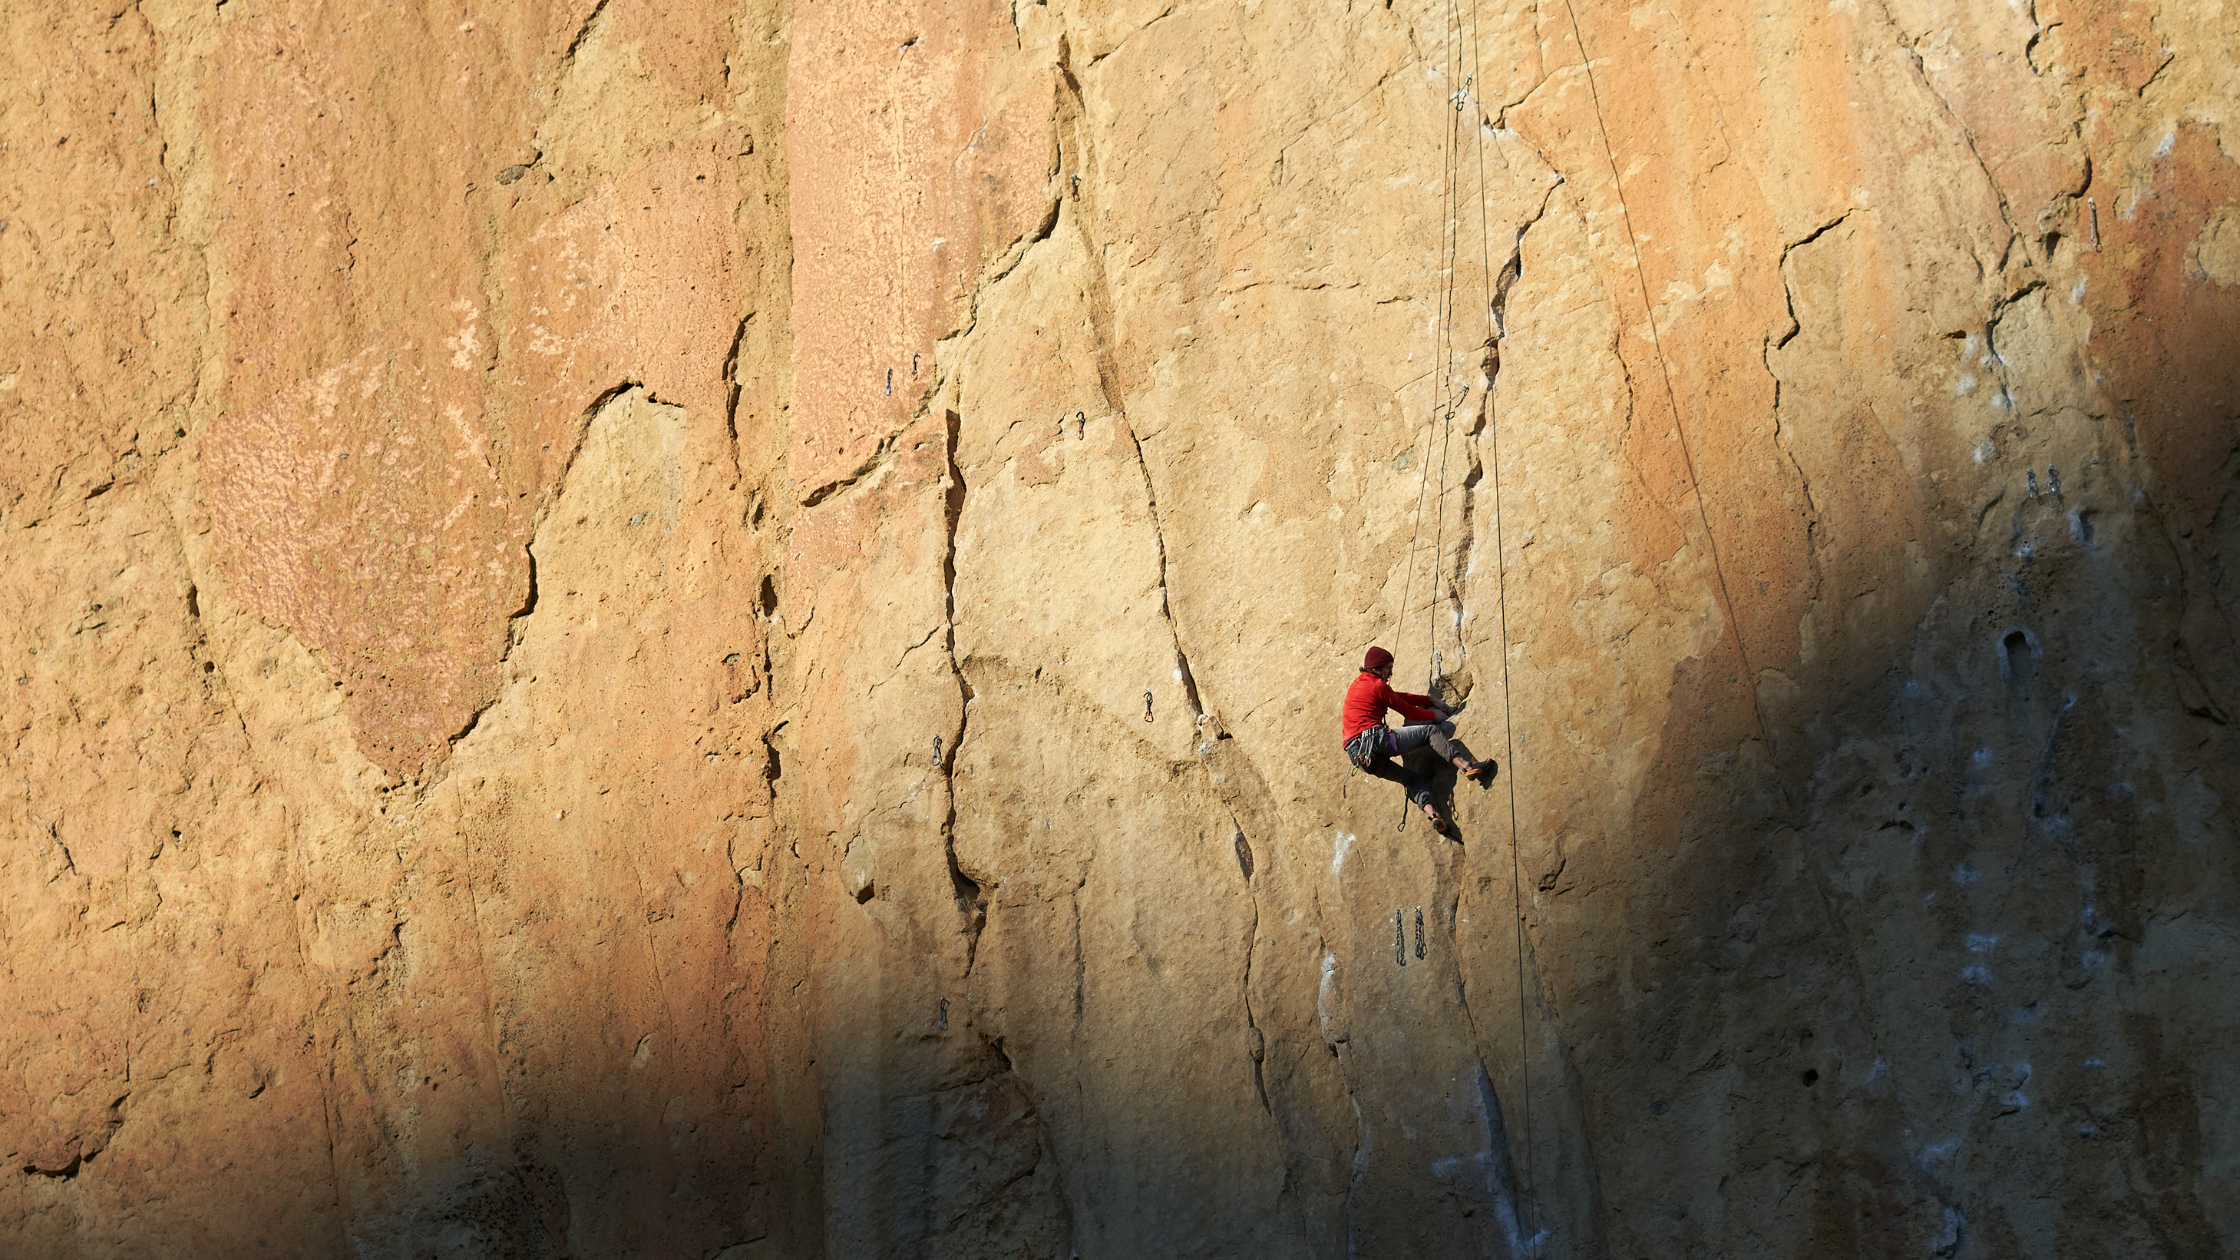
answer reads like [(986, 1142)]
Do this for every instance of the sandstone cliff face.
[(675, 630)]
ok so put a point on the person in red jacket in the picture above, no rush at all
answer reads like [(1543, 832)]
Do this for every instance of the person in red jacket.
[(1376, 749)]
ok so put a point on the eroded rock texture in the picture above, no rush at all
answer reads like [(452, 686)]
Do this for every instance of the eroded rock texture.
[(671, 630)]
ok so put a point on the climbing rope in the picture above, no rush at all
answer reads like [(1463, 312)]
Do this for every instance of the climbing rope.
[(1529, 1202), (1664, 370), (1446, 398), (1446, 401), (1450, 251)]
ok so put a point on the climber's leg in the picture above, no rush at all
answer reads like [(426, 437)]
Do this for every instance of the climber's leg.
[(1386, 765), (1439, 736), (1419, 785), (1392, 771)]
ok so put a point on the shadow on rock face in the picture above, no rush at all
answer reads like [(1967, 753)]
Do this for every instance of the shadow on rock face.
[(512, 1213)]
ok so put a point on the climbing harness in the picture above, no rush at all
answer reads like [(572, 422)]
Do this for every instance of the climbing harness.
[(1363, 748)]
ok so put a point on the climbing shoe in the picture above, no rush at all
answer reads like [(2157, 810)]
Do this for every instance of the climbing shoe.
[(1483, 772)]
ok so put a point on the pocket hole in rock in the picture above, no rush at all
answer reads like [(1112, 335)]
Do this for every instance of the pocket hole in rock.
[(2018, 654)]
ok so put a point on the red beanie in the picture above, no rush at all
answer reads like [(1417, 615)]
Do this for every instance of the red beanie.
[(1377, 659)]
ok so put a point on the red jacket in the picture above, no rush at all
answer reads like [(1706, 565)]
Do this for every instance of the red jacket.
[(1368, 697)]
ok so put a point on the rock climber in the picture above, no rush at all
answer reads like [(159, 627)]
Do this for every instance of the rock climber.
[(1375, 748)]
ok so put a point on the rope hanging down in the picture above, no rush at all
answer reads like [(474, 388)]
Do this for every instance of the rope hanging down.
[(1528, 1213), (1664, 369), (1448, 393), (1448, 397), (1451, 388)]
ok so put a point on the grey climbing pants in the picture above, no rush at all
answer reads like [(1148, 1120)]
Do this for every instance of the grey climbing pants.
[(1439, 735), (1386, 764)]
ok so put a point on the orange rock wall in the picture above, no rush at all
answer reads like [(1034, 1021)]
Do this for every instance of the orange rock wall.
[(680, 631)]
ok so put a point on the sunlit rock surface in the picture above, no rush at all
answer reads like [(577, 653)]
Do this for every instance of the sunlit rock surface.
[(667, 630)]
